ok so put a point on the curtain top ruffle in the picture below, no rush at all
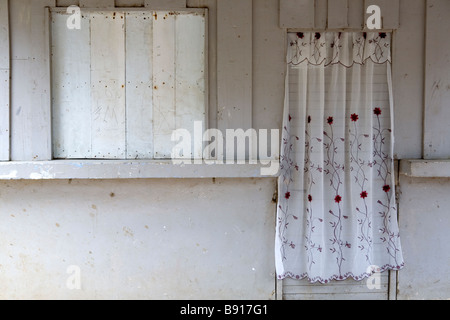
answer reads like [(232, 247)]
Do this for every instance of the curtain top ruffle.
[(345, 48)]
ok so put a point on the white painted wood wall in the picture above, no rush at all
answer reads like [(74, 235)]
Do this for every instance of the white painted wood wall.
[(4, 82), (259, 106), (125, 81)]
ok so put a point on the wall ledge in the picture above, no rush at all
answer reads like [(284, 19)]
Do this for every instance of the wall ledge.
[(123, 169), (425, 168)]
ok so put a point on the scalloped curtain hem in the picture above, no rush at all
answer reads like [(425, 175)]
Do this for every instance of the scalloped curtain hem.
[(349, 275)]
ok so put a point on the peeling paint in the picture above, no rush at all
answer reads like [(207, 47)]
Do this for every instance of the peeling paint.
[(43, 175), (11, 175)]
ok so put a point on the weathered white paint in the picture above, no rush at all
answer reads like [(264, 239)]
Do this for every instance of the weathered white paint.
[(234, 69), (108, 85), (408, 78), (211, 5), (10, 176), (425, 168), (129, 3), (269, 44), (146, 239), (4, 82), (165, 4), (190, 82), (337, 290), (164, 83), (320, 14), (338, 14), (437, 81), (356, 20), (297, 13), (96, 3), (127, 104), (119, 169), (4, 115), (424, 224), (139, 85), (71, 89), (37, 268), (30, 73)]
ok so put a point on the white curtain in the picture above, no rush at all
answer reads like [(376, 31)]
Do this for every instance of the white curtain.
[(337, 215)]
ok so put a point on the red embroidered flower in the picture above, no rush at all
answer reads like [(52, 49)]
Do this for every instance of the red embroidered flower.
[(317, 35), (364, 194), (309, 198), (354, 117), (287, 195), (300, 35), (387, 188), (338, 199), (309, 119), (330, 120), (377, 111), (290, 118), (382, 35)]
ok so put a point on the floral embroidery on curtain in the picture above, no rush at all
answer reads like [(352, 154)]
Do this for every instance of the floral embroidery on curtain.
[(337, 215)]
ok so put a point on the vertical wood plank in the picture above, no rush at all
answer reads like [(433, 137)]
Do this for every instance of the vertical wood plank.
[(336, 290), (96, 3), (393, 284), (163, 83), (337, 14), (234, 66), (4, 82), (139, 87), (108, 85), (4, 35), (212, 56), (191, 70), (129, 3), (296, 13), (71, 82), (269, 66), (437, 81), (4, 115), (165, 4), (67, 3), (320, 14), (356, 14), (409, 80), (30, 86), (234, 59)]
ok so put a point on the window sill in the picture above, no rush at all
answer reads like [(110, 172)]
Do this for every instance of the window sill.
[(123, 169), (425, 168)]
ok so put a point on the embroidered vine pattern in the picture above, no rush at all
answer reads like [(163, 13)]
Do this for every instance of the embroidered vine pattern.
[(384, 167), (357, 167), (334, 169), (287, 166), (311, 247)]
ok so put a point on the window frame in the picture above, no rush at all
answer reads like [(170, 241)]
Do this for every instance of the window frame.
[(37, 163)]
